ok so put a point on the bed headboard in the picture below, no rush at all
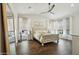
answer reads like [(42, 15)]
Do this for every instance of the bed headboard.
[(39, 29), (39, 25)]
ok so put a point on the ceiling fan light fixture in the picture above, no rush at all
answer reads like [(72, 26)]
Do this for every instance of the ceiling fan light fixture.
[(48, 3)]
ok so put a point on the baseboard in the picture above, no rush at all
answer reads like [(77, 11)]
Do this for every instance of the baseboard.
[(76, 35)]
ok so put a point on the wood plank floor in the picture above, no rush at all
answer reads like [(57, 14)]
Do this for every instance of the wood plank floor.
[(34, 48)]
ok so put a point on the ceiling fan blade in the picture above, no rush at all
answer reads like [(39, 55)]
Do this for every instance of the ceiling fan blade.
[(51, 12), (48, 3), (51, 8)]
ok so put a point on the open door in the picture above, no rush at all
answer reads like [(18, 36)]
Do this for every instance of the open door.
[(4, 42)]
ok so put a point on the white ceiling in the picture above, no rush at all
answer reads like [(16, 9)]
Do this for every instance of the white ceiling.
[(60, 10)]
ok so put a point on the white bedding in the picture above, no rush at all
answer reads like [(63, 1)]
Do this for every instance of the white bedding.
[(37, 35), (43, 36)]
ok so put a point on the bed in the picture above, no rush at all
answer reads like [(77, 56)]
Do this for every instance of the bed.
[(44, 37)]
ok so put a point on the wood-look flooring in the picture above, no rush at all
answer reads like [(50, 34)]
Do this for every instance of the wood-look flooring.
[(33, 47)]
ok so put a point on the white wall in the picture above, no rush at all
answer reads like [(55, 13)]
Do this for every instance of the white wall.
[(39, 21), (75, 31), (51, 26), (56, 26), (33, 21), (75, 24), (70, 25), (24, 24), (20, 24), (27, 24)]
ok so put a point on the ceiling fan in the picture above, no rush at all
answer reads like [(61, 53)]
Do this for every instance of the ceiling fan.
[(50, 9)]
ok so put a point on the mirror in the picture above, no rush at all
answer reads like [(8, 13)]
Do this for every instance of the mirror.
[(11, 30)]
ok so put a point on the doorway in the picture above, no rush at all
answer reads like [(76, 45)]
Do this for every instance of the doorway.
[(11, 30)]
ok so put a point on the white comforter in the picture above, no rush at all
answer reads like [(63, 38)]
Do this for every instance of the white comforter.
[(44, 37)]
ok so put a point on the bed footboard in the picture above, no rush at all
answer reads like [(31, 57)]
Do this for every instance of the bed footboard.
[(49, 38)]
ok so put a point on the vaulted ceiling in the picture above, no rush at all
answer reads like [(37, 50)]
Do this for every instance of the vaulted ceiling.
[(60, 10)]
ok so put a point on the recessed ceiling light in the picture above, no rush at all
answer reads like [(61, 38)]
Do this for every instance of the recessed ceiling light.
[(72, 5), (30, 8)]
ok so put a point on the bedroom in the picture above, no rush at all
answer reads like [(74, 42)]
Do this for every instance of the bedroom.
[(37, 33)]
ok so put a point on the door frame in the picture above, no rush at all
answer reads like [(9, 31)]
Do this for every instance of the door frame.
[(5, 28)]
